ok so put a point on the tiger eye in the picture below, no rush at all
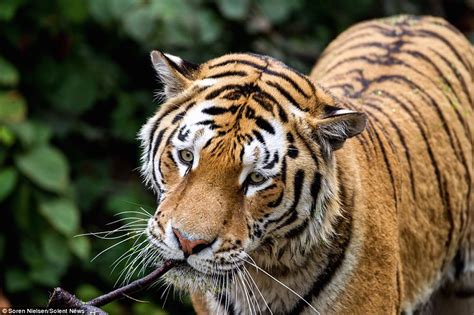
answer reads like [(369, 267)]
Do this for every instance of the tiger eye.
[(256, 178), (186, 156)]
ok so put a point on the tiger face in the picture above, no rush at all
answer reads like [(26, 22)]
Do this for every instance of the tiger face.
[(240, 157)]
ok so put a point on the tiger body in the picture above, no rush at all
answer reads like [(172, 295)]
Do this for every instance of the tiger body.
[(258, 165), (414, 79)]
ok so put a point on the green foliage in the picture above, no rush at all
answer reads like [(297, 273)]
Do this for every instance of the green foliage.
[(8, 178), (46, 167), (75, 86), (62, 214)]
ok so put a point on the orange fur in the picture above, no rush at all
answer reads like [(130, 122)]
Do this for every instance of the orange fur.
[(369, 225)]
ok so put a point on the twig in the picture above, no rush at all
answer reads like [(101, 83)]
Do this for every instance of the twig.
[(60, 298)]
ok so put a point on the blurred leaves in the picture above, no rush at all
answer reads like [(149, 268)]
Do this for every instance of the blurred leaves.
[(62, 214), (32, 133), (8, 8), (80, 246), (8, 179), (45, 166), (8, 73), (12, 107), (16, 280), (234, 10), (75, 11), (76, 93), (278, 10)]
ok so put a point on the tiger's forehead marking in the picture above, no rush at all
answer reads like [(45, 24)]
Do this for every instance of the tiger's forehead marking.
[(274, 78), (237, 130)]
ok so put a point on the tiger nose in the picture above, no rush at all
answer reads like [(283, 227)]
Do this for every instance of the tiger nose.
[(189, 246)]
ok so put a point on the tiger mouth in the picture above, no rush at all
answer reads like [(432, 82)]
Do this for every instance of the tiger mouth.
[(203, 268), (185, 268), (185, 277), (217, 270)]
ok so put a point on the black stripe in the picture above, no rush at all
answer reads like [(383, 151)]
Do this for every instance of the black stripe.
[(262, 102), (447, 26), (427, 33), (265, 125), (270, 72), (153, 154), (183, 133), (400, 135), (308, 148), (365, 147), (259, 137), (236, 61), (455, 72), (449, 214), (262, 96), (284, 170), (276, 202), (386, 59), (425, 139), (429, 100), (215, 110), (227, 74), (289, 80), (335, 260), (386, 159), (355, 36), (434, 104), (269, 187), (290, 138), (273, 161), (440, 74), (292, 151), (297, 185), (170, 156), (286, 94), (178, 117), (171, 109), (297, 230), (292, 212), (217, 92), (315, 189), (242, 152)]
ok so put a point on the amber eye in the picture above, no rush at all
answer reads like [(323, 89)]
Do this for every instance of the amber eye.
[(186, 156), (256, 178)]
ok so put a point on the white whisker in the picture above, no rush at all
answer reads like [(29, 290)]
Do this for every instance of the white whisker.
[(116, 244), (256, 287), (281, 283)]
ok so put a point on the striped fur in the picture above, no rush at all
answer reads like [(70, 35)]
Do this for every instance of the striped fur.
[(353, 223)]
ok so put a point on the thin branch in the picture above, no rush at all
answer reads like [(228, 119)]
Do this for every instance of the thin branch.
[(60, 298)]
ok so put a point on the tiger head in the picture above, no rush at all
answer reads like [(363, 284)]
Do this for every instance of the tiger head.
[(241, 158)]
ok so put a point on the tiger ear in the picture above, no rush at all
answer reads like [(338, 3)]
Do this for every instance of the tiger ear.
[(175, 73), (335, 125)]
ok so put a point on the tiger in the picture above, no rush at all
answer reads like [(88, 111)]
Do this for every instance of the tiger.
[(348, 191)]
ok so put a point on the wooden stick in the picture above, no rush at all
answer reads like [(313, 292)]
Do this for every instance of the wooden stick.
[(60, 298)]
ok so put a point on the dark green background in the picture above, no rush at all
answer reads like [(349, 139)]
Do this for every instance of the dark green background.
[(76, 84)]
